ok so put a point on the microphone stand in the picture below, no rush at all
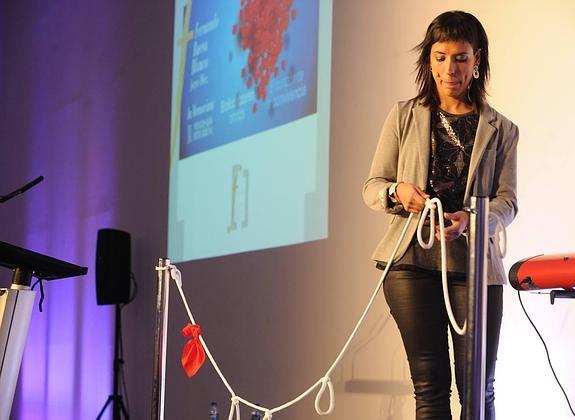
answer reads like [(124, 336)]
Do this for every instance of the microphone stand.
[(4, 198)]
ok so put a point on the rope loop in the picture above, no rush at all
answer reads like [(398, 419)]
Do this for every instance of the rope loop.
[(325, 382), (429, 208)]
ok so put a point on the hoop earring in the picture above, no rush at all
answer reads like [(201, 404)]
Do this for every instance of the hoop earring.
[(476, 71)]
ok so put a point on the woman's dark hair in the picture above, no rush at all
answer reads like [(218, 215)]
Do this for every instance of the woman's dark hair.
[(452, 26)]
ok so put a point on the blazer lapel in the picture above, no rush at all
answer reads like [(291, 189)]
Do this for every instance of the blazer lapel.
[(422, 119), (484, 133)]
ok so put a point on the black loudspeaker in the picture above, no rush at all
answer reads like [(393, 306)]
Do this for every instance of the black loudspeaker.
[(113, 267)]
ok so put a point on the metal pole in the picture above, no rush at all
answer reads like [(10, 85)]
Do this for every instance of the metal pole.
[(160, 340), (16, 306), (474, 400)]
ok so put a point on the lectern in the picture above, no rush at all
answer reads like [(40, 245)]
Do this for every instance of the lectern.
[(16, 304)]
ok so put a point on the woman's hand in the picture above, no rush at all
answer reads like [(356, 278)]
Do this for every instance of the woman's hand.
[(411, 197), (459, 221)]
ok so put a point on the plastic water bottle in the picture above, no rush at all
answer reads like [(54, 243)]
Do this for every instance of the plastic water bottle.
[(214, 413), (256, 415)]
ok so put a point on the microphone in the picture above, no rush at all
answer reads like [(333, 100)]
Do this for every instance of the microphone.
[(4, 198)]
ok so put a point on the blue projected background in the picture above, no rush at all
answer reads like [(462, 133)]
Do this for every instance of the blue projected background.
[(250, 126), (220, 100)]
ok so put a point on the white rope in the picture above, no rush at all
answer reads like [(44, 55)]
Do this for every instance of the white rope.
[(430, 207), (234, 406), (325, 382), (500, 240), (177, 276)]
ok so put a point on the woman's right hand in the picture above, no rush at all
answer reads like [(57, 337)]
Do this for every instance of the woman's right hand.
[(411, 197)]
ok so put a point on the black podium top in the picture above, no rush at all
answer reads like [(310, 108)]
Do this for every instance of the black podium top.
[(42, 266)]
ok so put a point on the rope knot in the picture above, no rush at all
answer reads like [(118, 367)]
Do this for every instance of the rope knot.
[(325, 382), (268, 415), (234, 407), (176, 274)]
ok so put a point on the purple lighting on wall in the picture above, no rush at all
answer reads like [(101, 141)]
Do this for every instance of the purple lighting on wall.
[(63, 91)]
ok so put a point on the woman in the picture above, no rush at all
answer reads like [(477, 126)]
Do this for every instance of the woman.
[(446, 142)]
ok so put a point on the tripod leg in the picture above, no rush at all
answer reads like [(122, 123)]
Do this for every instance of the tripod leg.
[(123, 408), (110, 398), (118, 407)]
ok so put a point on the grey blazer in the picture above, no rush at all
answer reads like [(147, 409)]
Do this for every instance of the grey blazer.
[(403, 153)]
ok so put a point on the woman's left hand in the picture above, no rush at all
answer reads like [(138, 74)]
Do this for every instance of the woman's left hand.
[(459, 221)]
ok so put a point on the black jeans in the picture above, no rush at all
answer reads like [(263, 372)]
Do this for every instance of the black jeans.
[(416, 302)]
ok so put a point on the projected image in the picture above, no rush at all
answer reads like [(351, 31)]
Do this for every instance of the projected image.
[(250, 125), (248, 68)]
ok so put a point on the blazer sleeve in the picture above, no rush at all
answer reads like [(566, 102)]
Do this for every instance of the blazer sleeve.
[(383, 171), (503, 200)]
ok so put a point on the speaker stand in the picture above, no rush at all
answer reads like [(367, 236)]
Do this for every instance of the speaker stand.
[(118, 407)]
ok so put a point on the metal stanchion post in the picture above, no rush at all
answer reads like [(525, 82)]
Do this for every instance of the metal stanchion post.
[(160, 340), (474, 406)]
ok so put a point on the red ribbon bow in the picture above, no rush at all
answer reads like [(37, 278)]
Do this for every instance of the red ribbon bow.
[(193, 356)]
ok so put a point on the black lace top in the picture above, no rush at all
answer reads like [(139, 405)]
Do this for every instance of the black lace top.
[(451, 145)]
